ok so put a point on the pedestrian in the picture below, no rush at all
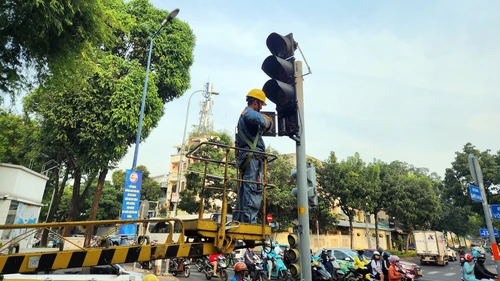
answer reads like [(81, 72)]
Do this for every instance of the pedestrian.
[(251, 125)]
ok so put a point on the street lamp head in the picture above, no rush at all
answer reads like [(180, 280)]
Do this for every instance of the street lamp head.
[(215, 93), (173, 14)]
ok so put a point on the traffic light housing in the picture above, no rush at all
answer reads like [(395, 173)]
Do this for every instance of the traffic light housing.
[(312, 193), (294, 255), (280, 90)]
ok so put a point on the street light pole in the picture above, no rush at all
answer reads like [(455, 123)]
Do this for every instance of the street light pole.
[(180, 168), (170, 17)]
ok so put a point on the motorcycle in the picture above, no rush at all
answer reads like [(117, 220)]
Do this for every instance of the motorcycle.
[(199, 263), (179, 266), (319, 272), (407, 276), (462, 260), (279, 270), (208, 270), (337, 273), (258, 273)]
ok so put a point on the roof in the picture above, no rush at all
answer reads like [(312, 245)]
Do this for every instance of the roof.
[(381, 226)]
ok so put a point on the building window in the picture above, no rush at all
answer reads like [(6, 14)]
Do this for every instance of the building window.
[(174, 188)]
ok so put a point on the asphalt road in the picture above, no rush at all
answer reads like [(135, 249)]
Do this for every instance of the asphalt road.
[(450, 272)]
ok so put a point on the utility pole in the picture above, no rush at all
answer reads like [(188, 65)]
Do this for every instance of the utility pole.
[(302, 196), (477, 175)]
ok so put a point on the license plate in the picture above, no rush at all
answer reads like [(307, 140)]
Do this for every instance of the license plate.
[(419, 272)]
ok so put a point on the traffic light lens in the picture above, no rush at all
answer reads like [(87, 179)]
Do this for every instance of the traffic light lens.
[(279, 69), (280, 46), (278, 92)]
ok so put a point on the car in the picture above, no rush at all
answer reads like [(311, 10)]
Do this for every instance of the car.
[(410, 267), (452, 255), (112, 272), (343, 256)]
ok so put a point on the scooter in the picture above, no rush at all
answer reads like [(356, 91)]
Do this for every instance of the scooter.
[(462, 260), (179, 266), (279, 270), (319, 272), (221, 269)]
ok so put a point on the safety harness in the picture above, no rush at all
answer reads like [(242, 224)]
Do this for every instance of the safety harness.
[(252, 145)]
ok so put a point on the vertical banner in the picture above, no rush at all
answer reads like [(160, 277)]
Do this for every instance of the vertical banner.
[(25, 214), (131, 200)]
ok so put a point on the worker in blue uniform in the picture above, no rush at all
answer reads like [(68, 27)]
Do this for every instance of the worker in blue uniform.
[(251, 125)]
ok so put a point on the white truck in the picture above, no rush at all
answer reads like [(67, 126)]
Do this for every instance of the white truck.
[(431, 247)]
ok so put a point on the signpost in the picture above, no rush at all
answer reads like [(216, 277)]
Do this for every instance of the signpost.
[(477, 175), (483, 232), (475, 193), (495, 211), (131, 200), (269, 218)]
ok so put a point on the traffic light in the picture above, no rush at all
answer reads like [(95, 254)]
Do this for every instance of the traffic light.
[(312, 193), (281, 88), (294, 255)]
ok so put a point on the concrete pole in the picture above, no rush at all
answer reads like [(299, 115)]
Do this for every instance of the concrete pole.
[(302, 197), (477, 174)]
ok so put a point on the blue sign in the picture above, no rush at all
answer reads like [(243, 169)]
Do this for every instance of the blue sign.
[(131, 200), (483, 232), (475, 193), (495, 211)]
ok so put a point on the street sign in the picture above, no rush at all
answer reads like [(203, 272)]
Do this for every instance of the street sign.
[(483, 232), (272, 224), (495, 211), (475, 193), (269, 218)]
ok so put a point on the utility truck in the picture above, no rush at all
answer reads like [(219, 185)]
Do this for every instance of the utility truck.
[(431, 247)]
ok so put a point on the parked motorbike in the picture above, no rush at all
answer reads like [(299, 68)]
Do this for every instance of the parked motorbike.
[(208, 270), (179, 266)]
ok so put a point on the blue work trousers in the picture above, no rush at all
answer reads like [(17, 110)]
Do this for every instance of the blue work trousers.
[(250, 194)]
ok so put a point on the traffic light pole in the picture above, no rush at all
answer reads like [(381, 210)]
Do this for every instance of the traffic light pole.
[(302, 196)]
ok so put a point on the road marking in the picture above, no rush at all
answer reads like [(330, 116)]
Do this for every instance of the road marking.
[(432, 272), (449, 274)]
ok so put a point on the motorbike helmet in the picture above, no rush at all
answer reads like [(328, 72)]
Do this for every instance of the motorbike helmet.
[(376, 253), (360, 251), (386, 255), (394, 259), (240, 266), (481, 258), (468, 257), (150, 277)]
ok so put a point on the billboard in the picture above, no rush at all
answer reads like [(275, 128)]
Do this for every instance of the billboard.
[(131, 200)]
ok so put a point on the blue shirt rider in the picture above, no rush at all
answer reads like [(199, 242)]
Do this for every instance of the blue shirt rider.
[(251, 125)]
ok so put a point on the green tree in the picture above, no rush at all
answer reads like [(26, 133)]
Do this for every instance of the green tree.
[(43, 35), (90, 109), (18, 134)]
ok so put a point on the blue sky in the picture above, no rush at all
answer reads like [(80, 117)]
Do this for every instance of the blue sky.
[(393, 80)]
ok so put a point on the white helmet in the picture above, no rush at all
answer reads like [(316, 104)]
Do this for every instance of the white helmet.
[(376, 253)]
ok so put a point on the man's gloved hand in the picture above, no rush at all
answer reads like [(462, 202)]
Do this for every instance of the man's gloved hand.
[(269, 121)]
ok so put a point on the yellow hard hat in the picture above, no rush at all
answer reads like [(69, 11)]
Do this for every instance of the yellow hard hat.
[(258, 94), (150, 277)]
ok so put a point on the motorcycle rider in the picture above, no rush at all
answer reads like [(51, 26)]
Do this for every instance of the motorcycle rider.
[(480, 271), (475, 253), (239, 271), (394, 274), (468, 270), (249, 259), (325, 259), (386, 263), (267, 259), (376, 265), (360, 263), (213, 260)]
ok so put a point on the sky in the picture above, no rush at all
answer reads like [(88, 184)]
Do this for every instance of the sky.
[(412, 81)]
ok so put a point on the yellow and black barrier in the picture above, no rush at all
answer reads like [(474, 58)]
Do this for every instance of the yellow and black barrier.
[(35, 262)]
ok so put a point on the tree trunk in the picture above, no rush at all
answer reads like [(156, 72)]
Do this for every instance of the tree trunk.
[(408, 241), (75, 198), (351, 232), (59, 189), (377, 240), (95, 205)]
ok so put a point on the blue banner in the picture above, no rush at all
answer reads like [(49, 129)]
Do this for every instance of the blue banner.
[(475, 193), (131, 200)]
